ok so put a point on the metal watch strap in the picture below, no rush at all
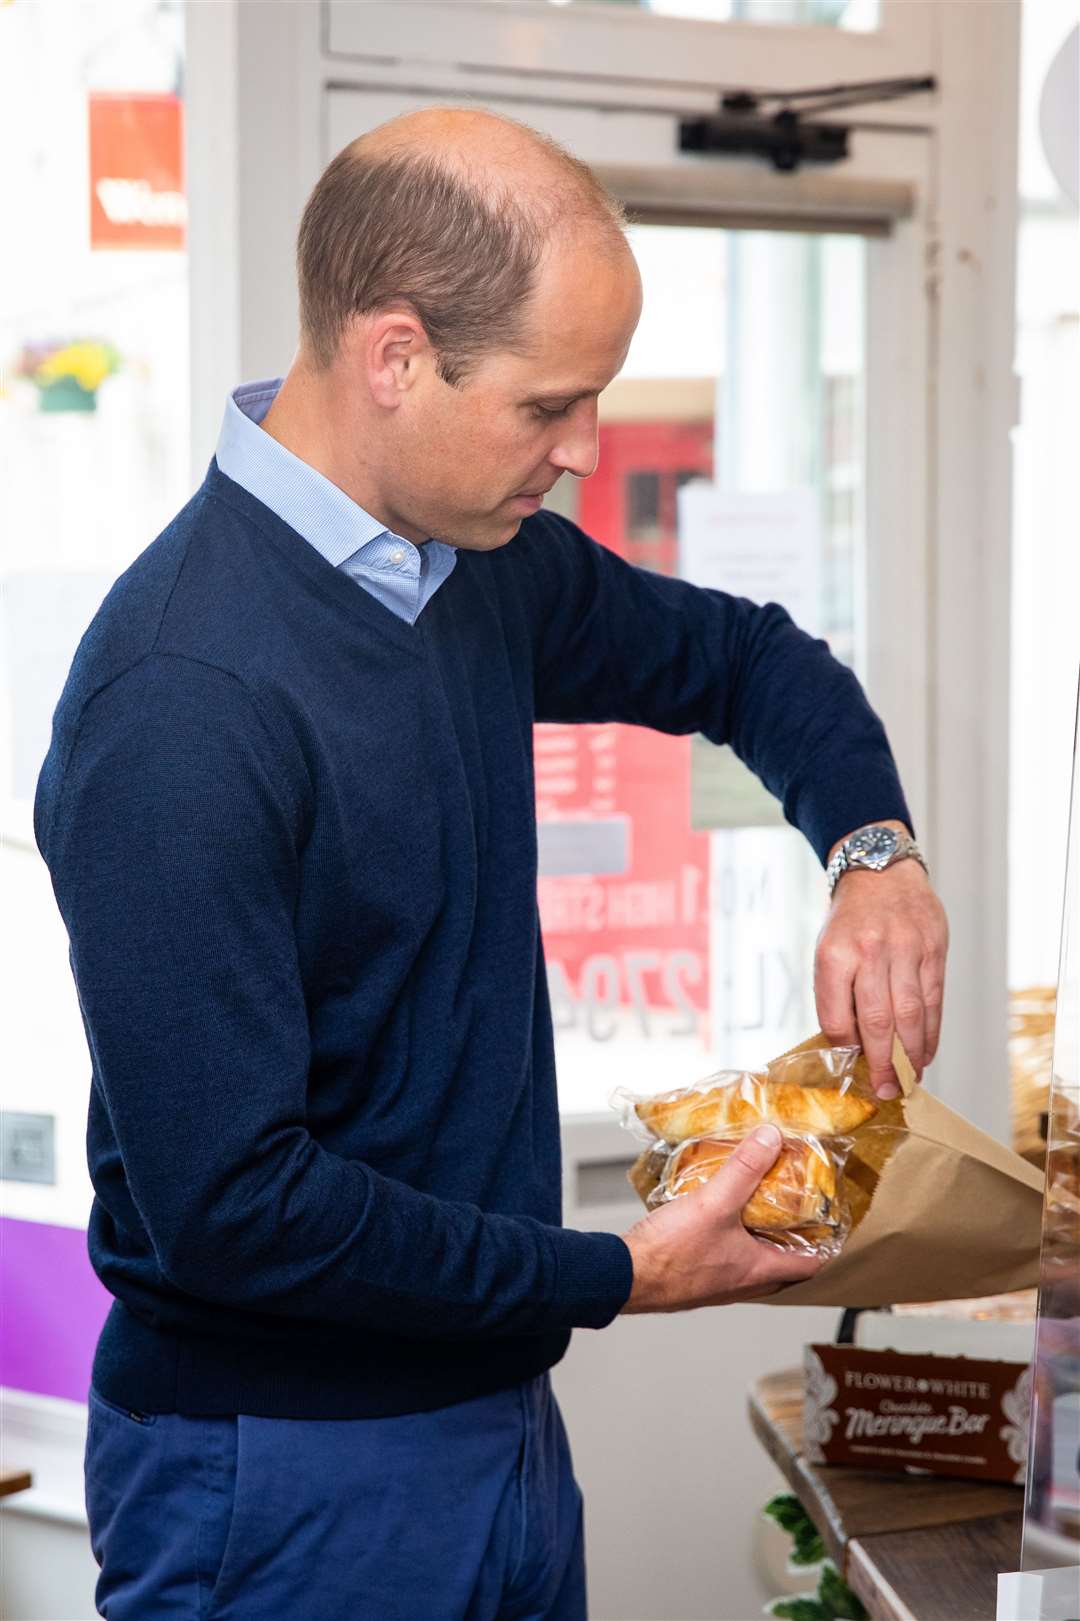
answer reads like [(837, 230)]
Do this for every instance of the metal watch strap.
[(906, 849)]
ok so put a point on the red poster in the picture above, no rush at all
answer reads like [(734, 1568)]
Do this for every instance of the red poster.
[(626, 948), (137, 171)]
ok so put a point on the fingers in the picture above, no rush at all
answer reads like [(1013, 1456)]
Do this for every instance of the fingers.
[(735, 1181), (909, 1009), (874, 1013), (932, 983), (834, 984), (695, 1251), (880, 969), (765, 1267), (854, 1010), (854, 997)]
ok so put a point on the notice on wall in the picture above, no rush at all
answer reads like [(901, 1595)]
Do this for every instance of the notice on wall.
[(763, 546), (766, 547)]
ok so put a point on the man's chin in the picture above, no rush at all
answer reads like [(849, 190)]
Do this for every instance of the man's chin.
[(486, 539), (493, 543)]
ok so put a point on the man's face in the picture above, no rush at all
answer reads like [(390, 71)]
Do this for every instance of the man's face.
[(473, 461)]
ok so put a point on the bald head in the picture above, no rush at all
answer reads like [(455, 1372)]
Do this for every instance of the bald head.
[(458, 134), (449, 212), (493, 154)]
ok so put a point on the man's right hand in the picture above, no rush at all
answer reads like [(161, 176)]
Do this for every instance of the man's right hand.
[(695, 1250)]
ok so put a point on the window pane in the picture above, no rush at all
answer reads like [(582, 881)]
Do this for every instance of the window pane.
[(855, 14), (94, 425), (1045, 586), (93, 337), (741, 403), (643, 506)]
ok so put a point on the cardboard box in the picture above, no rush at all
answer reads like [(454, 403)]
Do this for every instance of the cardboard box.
[(942, 1415)]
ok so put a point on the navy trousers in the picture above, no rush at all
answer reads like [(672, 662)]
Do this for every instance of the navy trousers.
[(470, 1513)]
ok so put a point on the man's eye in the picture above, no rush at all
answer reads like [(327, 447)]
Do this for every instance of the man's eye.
[(560, 411)]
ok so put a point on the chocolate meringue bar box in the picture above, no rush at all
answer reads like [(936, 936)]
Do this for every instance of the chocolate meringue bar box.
[(942, 1415)]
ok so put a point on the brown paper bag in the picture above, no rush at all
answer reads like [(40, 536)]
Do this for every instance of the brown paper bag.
[(940, 1210)]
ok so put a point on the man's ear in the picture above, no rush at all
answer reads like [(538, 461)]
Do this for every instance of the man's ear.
[(389, 349)]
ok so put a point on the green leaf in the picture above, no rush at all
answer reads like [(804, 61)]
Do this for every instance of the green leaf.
[(787, 1511), (809, 1549), (790, 1515), (799, 1609), (837, 1598)]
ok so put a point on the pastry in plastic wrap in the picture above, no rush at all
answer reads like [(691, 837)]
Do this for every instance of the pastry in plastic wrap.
[(798, 1191), (930, 1208), (801, 1203), (744, 1102)]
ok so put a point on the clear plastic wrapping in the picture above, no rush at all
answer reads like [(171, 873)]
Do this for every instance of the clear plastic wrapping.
[(816, 1101)]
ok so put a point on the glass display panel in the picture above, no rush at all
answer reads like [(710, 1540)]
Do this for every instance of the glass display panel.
[(679, 910), (1044, 630), (1052, 1499)]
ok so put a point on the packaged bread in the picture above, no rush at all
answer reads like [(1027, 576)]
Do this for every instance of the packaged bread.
[(793, 1093), (798, 1191), (800, 1203), (938, 1210), (746, 1103)]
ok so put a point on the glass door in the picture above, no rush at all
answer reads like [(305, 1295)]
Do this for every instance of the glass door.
[(1052, 1498), (750, 443), (733, 454)]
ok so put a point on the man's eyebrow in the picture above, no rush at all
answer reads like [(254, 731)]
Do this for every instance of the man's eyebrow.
[(568, 395)]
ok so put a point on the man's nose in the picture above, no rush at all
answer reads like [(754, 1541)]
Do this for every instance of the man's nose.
[(577, 450)]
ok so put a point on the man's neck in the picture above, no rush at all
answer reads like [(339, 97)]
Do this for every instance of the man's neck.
[(312, 426)]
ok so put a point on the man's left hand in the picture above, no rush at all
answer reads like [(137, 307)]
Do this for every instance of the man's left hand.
[(880, 967)]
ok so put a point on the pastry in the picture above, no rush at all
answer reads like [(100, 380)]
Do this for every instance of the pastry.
[(741, 1105), (798, 1191)]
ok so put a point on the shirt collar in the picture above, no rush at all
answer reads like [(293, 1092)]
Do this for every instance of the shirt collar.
[(337, 526)]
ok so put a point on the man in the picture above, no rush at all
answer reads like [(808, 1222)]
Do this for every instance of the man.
[(288, 811)]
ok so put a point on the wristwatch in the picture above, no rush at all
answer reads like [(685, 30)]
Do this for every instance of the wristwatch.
[(875, 847)]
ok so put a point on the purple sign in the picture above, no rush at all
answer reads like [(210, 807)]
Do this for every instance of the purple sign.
[(52, 1307)]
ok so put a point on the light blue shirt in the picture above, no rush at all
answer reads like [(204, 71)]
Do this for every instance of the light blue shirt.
[(403, 577)]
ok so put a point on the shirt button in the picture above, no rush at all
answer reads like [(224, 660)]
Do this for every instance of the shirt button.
[(396, 556)]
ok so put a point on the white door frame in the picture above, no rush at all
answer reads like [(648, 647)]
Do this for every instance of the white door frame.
[(267, 85)]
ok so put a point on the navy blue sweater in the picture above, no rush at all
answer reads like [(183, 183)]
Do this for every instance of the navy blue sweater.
[(293, 841)]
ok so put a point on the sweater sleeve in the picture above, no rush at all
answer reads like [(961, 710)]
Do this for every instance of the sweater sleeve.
[(615, 642), (173, 841)]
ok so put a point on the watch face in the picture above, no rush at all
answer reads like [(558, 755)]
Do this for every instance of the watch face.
[(873, 847)]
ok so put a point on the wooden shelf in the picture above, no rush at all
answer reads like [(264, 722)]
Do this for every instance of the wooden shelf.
[(913, 1547)]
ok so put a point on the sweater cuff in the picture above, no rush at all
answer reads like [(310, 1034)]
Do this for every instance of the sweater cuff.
[(595, 1277), (828, 824)]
